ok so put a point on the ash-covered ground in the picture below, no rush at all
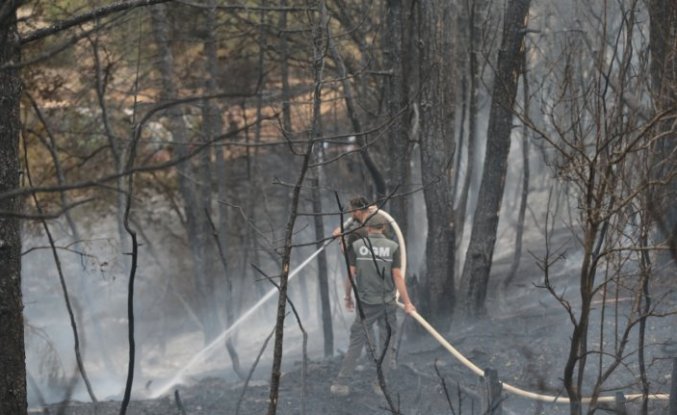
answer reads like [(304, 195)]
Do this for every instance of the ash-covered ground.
[(526, 342), (525, 338)]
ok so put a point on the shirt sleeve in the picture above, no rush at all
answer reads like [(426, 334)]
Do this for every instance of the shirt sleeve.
[(396, 259), (352, 260)]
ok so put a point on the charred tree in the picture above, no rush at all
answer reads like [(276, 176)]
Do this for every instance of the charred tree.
[(475, 11), (519, 226), (663, 53), (475, 277), (12, 362), (396, 102), (437, 152)]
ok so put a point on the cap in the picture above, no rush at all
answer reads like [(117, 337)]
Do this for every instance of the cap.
[(359, 202), (376, 220)]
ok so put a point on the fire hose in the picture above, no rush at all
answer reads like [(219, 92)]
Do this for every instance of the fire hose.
[(430, 329), (470, 365)]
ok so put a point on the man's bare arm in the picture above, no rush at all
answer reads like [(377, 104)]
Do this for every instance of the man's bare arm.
[(398, 278)]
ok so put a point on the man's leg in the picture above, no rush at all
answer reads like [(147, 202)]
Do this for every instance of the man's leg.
[(359, 331), (357, 340), (388, 336)]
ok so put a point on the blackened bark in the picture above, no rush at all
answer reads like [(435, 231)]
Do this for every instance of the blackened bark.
[(437, 152), (322, 272), (663, 34), (398, 145), (475, 278), (476, 7), (13, 354), (284, 69), (322, 269), (663, 49), (519, 227)]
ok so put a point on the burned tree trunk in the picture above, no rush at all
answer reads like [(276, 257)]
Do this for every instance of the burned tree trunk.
[(398, 167), (475, 277), (519, 227), (663, 49), (476, 9), (437, 152), (12, 359)]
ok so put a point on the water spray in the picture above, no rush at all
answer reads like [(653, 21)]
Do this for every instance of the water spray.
[(430, 329), (217, 341)]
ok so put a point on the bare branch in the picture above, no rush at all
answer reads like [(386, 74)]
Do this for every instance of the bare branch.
[(87, 17)]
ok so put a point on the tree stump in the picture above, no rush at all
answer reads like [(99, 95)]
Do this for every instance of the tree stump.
[(620, 404), (491, 389), (673, 388)]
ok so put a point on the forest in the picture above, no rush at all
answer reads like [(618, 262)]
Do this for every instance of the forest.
[(177, 192)]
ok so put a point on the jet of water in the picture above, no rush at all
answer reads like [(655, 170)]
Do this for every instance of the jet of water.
[(207, 350)]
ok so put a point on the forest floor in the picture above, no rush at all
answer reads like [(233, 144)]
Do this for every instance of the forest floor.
[(425, 370), (525, 338)]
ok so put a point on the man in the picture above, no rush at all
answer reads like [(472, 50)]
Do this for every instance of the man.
[(376, 276), (360, 209)]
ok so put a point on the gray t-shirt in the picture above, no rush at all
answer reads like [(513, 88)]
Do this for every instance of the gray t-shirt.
[(374, 257), (355, 231)]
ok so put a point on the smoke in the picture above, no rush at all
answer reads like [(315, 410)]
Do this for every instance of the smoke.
[(168, 333)]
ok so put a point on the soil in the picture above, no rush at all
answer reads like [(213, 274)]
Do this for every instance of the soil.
[(428, 379), (525, 338)]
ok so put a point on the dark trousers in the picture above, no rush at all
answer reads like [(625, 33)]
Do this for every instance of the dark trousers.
[(384, 315)]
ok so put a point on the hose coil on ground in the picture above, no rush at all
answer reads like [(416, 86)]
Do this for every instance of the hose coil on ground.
[(474, 368)]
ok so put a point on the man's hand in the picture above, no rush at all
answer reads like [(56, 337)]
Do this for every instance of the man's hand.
[(350, 306), (409, 308)]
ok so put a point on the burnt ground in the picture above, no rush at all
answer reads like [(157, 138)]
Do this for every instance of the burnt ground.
[(526, 353), (525, 338), (419, 388)]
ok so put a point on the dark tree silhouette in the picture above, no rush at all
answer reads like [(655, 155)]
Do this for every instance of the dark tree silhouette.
[(12, 369), (475, 277)]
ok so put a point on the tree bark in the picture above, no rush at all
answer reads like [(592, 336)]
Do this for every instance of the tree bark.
[(437, 152), (13, 355), (322, 271), (475, 11), (663, 46), (519, 226), (318, 221), (398, 160), (475, 277)]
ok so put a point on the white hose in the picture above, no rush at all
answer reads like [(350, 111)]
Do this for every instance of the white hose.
[(470, 365)]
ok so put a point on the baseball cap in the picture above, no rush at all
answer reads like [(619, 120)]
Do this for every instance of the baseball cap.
[(377, 220)]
